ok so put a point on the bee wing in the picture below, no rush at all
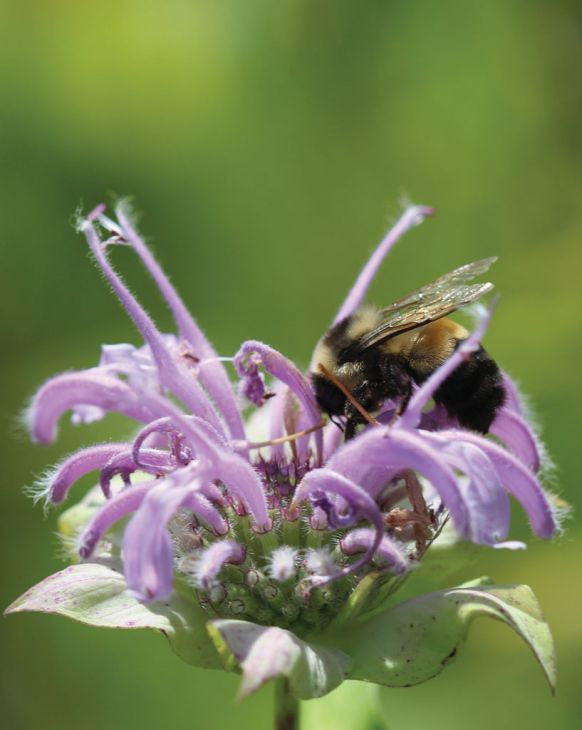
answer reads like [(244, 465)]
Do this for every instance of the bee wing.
[(430, 302), (438, 287)]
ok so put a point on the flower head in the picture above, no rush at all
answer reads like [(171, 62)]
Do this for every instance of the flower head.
[(299, 530)]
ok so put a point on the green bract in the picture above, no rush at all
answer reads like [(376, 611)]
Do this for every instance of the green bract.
[(403, 645), (376, 638)]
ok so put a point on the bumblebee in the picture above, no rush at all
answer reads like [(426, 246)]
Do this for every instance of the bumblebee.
[(378, 354)]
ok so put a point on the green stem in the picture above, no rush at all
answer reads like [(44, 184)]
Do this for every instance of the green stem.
[(286, 706)]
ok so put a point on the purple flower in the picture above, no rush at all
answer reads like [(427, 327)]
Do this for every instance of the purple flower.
[(289, 527)]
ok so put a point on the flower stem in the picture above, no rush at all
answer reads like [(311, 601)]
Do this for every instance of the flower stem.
[(286, 706)]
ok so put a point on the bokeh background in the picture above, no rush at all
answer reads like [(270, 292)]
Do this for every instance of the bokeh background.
[(268, 145)]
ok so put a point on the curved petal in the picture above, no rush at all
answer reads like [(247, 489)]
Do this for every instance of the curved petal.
[(397, 450), (514, 399), (171, 372), (412, 216), (147, 547), (518, 480), (159, 426), (213, 376), (203, 508), (167, 425), (157, 462), (211, 560), (413, 413), (57, 484), (487, 501), (65, 391), (220, 462), (126, 501), (327, 481), (388, 551), (251, 354), (515, 432)]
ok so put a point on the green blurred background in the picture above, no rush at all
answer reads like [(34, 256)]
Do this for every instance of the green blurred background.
[(267, 145)]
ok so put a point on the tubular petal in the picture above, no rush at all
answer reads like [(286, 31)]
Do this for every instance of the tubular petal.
[(327, 481), (412, 415), (276, 407), (398, 450), (246, 362), (487, 502), (412, 216), (126, 501), (171, 373), (213, 376), (219, 461), (203, 508), (332, 438), (518, 480), (513, 395), (65, 391), (147, 547), (214, 557), (389, 551), (159, 462), (515, 432), (77, 465)]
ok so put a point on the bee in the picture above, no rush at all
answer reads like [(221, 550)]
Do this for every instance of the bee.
[(379, 354)]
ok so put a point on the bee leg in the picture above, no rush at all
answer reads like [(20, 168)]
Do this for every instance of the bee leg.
[(350, 429), (366, 395), (416, 498), (404, 401), (353, 418)]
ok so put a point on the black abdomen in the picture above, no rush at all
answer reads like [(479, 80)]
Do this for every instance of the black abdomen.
[(474, 392)]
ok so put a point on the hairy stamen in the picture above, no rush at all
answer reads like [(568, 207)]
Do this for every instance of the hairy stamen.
[(285, 439), (416, 497)]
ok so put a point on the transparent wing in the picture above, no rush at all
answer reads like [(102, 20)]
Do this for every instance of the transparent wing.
[(430, 302), (434, 290)]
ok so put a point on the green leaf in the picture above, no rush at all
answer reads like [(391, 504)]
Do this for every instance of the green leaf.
[(266, 652), (414, 640), (94, 594)]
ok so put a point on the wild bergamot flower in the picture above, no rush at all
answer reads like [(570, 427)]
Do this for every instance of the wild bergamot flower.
[(279, 555)]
